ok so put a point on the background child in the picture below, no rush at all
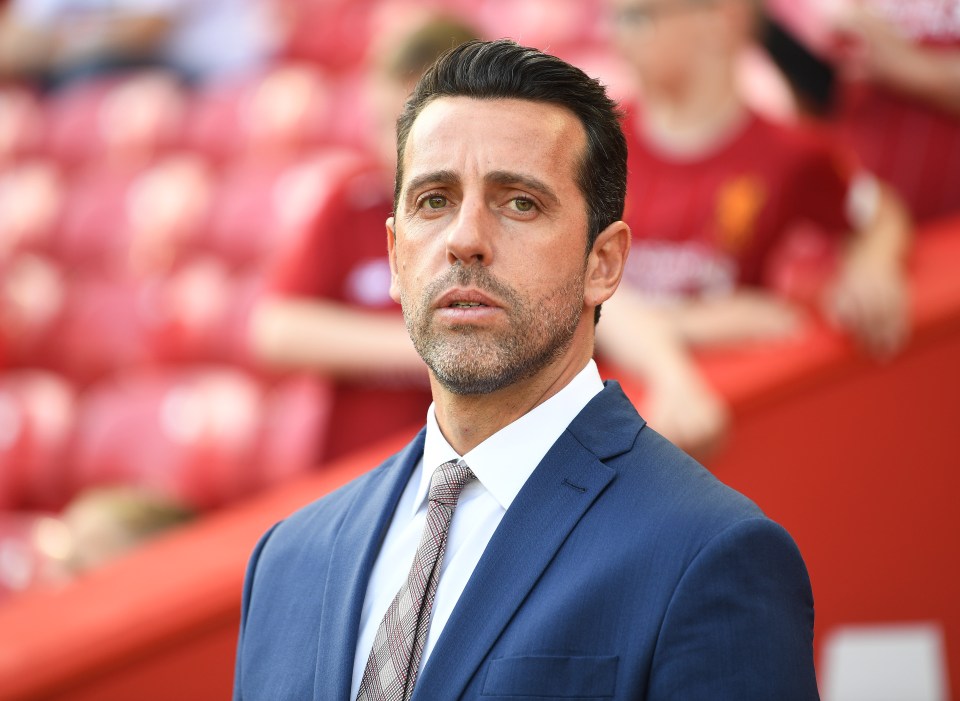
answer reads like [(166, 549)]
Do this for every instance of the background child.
[(713, 189)]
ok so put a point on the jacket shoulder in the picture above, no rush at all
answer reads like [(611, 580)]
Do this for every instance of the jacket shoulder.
[(325, 514)]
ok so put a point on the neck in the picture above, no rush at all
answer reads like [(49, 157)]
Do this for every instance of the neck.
[(466, 420), (696, 118)]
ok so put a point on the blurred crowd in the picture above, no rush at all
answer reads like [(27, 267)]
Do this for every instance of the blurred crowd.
[(194, 289)]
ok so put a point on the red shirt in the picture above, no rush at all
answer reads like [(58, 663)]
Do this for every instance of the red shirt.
[(702, 226), (913, 145), (343, 258)]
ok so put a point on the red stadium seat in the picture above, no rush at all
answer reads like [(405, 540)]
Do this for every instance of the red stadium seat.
[(130, 119), (351, 122), (166, 211), (139, 220), (278, 113), (33, 293), (333, 33), (31, 197), (21, 123), (104, 327), (544, 24), (198, 434), (289, 438), (37, 415), (200, 313), (260, 205), (92, 232), (88, 324)]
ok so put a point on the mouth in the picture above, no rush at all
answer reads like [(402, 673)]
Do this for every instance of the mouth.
[(465, 299)]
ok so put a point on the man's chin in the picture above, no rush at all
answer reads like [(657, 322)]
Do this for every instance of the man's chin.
[(465, 377)]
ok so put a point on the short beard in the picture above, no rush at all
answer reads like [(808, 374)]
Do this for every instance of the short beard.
[(466, 361)]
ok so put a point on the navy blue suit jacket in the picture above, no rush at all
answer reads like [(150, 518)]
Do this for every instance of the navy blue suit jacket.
[(623, 570)]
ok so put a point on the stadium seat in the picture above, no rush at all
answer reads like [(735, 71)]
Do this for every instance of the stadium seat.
[(37, 415), (21, 123), (32, 298), (104, 327), (130, 119), (196, 434), (200, 313), (31, 196), (544, 24), (105, 216), (350, 122), (333, 33), (261, 204), (165, 213), (275, 114), (92, 232)]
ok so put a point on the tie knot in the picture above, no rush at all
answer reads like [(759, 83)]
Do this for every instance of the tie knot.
[(448, 481)]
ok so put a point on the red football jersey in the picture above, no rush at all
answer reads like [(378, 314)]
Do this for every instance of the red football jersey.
[(704, 225), (343, 258), (909, 143)]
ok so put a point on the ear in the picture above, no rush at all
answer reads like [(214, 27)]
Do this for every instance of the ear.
[(605, 263), (392, 257)]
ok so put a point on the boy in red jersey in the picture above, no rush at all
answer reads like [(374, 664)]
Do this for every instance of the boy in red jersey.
[(712, 189), (327, 307)]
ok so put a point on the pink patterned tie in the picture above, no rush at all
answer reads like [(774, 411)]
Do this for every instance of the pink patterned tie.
[(394, 661)]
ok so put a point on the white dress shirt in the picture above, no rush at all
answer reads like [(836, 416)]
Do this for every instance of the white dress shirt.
[(502, 464)]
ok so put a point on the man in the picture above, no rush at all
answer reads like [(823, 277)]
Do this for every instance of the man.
[(587, 557)]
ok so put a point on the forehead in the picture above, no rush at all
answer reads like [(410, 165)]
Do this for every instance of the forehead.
[(475, 136)]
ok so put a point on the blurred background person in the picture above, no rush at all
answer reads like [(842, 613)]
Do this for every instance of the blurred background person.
[(897, 96), (327, 306), (713, 189), (57, 42)]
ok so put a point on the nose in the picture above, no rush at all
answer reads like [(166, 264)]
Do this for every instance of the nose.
[(469, 239)]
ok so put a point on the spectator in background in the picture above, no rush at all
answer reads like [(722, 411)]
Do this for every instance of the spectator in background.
[(56, 42), (327, 307), (712, 189), (900, 107)]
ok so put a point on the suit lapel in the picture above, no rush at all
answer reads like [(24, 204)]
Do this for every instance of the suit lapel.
[(351, 562), (563, 487)]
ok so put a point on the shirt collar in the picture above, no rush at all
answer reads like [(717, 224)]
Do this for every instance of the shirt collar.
[(505, 460)]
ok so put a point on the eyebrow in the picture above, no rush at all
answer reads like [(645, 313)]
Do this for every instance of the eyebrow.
[(528, 182), (504, 178), (438, 177)]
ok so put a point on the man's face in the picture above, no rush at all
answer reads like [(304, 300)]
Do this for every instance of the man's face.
[(488, 249)]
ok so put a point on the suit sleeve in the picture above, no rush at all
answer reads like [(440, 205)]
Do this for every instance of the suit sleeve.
[(245, 605), (740, 624)]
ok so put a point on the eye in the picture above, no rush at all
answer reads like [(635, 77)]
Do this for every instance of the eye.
[(435, 201), (523, 204)]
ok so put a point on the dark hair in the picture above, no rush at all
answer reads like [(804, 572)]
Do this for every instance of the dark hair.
[(503, 69)]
